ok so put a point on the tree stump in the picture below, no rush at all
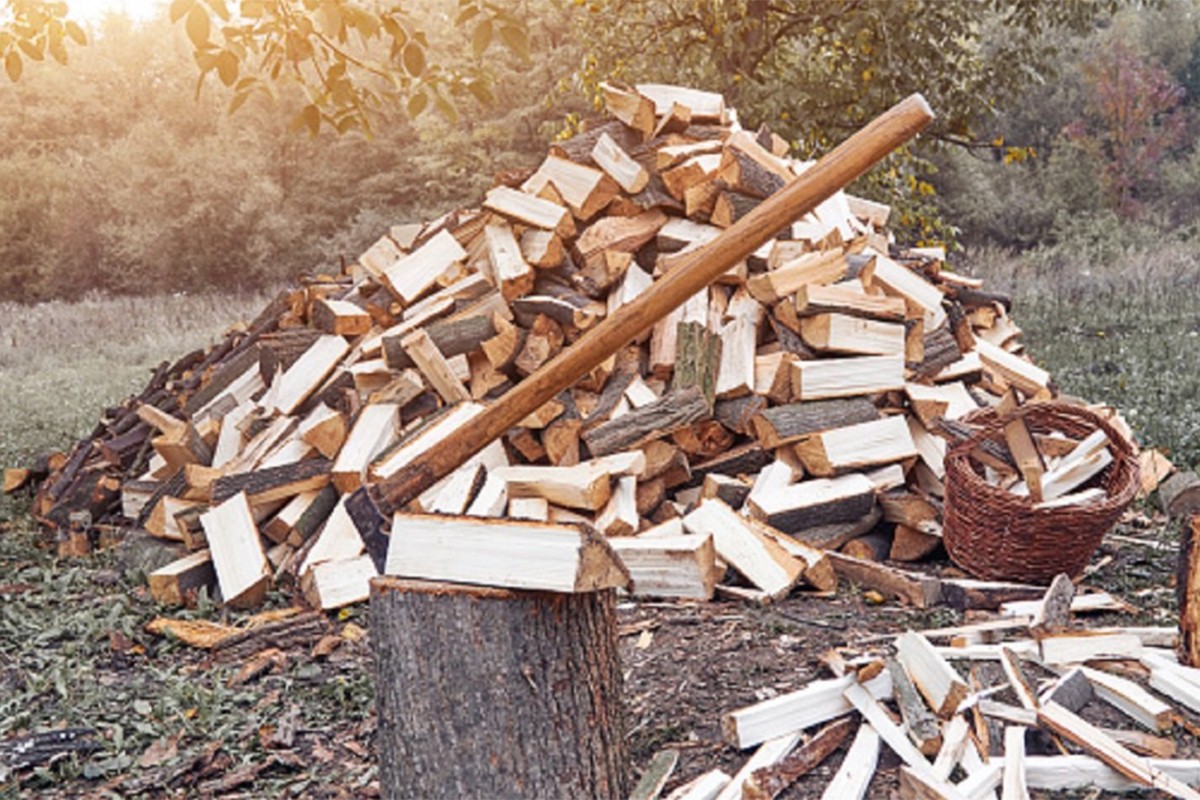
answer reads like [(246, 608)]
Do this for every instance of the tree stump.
[(485, 692)]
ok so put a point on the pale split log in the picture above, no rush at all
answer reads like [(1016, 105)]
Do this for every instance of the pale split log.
[(609, 156), (1077, 773), (891, 733), (704, 787), (512, 273), (846, 377), (1077, 647), (435, 367), (919, 722), (530, 210), (766, 783), (619, 517), (304, 376), (771, 752), (816, 703), (921, 295), (1054, 613), (425, 439), (853, 778), (412, 274), (702, 106), (330, 585), (669, 566), (237, 554), (1131, 699), (844, 334), (373, 432), (586, 190), (586, 486), (271, 484), (759, 558), (955, 741), (511, 554), (819, 268), (338, 539), (854, 447), (172, 584), (848, 297), (938, 682), (629, 106), (339, 317), (1087, 736)]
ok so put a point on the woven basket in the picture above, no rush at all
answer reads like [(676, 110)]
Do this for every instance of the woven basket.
[(996, 535)]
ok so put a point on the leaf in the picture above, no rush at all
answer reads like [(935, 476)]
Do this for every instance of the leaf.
[(466, 15), (76, 32), (219, 8), (482, 92), (310, 118), (31, 50), (481, 37), (198, 27), (227, 67), (516, 40), (13, 65), (445, 108), (180, 8), (250, 9), (417, 103), (238, 101), (58, 51), (414, 59)]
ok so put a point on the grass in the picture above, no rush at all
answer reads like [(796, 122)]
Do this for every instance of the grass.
[(1126, 333), (62, 363)]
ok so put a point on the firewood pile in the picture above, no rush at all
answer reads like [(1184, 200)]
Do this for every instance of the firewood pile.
[(977, 709), (783, 427)]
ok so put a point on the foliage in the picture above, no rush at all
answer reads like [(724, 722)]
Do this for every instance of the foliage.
[(816, 71), (351, 59), (1131, 122), (33, 29)]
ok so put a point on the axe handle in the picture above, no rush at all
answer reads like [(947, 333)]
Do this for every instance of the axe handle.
[(838, 168)]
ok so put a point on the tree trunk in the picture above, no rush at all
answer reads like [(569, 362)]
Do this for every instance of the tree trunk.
[(487, 692), (1187, 588)]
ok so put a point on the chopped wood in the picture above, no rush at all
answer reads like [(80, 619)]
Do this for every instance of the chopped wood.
[(846, 377), (171, 585), (529, 210), (1099, 744), (374, 431), (302, 378), (673, 411), (853, 777), (758, 557), (610, 157), (705, 787), (340, 317), (919, 722), (434, 366), (771, 752), (1130, 699), (331, 585), (586, 486), (1187, 593), (820, 268), (917, 590), (940, 685), (848, 298), (669, 566), (921, 296), (865, 444), (619, 517), (1074, 648), (630, 106), (841, 333), (265, 486), (766, 783), (816, 703), (411, 275), (512, 274), (812, 503), (785, 424), (237, 554), (1054, 613), (1014, 785), (586, 190), (1179, 495), (1077, 772), (514, 554)]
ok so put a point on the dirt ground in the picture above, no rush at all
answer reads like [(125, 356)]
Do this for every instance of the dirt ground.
[(303, 725)]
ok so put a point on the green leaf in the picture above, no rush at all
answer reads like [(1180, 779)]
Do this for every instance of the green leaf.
[(414, 59), (76, 32), (13, 65), (516, 40), (227, 67), (417, 103), (198, 27), (180, 8)]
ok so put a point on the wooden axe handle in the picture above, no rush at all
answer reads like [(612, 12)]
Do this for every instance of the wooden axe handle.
[(838, 168)]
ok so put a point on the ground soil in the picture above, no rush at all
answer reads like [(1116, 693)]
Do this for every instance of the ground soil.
[(303, 726)]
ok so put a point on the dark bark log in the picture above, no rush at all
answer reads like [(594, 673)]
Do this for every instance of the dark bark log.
[(273, 483), (673, 411), (737, 413), (224, 375), (784, 424), (451, 337), (697, 358), (873, 546), (1179, 495), (748, 459), (492, 693), (941, 350)]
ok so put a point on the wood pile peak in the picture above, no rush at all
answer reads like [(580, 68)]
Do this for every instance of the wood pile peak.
[(795, 407)]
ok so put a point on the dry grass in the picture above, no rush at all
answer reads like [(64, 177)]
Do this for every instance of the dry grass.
[(62, 363)]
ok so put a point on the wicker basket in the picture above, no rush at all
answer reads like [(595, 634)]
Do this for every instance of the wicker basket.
[(996, 535)]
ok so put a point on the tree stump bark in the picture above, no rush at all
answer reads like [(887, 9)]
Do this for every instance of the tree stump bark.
[(485, 692)]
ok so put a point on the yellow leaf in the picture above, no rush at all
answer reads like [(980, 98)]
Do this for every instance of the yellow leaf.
[(198, 27), (13, 65)]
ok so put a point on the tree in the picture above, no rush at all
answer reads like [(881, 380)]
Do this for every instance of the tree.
[(31, 29), (815, 70)]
